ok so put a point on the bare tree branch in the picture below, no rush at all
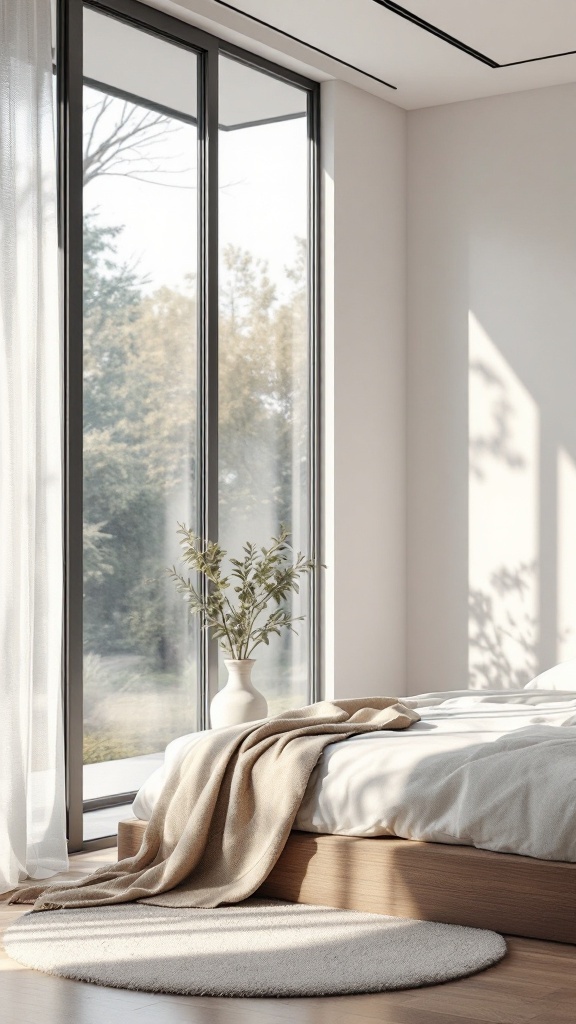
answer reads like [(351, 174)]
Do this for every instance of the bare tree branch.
[(147, 181), (123, 141)]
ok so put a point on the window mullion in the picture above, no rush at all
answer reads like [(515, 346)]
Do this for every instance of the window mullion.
[(316, 682), (207, 478), (69, 85)]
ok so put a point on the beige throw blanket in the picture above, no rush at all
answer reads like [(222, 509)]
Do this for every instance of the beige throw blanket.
[(226, 812)]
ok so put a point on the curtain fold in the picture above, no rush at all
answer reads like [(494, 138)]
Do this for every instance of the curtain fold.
[(32, 800)]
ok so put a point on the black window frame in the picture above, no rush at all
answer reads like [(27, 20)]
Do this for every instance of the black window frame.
[(70, 82)]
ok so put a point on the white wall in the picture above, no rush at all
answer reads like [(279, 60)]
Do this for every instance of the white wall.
[(491, 389), (363, 152)]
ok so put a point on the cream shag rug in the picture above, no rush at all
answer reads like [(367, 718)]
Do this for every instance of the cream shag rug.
[(257, 948)]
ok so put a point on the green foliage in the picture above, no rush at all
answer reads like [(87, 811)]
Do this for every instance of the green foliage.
[(263, 577), (263, 388), (139, 430)]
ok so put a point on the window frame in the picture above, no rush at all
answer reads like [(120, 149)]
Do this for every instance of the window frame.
[(70, 82)]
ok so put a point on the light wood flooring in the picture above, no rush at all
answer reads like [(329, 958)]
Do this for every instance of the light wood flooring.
[(535, 983)]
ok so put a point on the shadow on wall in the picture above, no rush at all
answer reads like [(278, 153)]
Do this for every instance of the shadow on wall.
[(501, 633), (509, 588), (495, 438)]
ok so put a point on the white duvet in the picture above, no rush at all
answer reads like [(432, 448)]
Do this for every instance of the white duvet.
[(495, 770)]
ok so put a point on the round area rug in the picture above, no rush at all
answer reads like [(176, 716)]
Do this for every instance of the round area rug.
[(257, 948)]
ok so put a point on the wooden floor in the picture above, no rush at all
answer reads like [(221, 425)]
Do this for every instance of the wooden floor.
[(536, 982)]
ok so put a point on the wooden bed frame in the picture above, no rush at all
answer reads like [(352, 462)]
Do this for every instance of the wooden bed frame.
[(426, 881)]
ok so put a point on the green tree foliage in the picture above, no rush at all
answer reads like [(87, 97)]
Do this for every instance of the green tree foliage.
[(263, 384), (140, 429), (139, 401)]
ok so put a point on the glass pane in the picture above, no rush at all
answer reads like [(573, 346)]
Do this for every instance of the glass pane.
[(140, 262), (264, 358)]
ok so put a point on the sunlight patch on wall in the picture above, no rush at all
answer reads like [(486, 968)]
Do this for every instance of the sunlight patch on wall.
[(566, 648), (503, 520)]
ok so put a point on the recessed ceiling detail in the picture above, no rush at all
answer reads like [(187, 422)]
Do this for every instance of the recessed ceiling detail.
[(514, 26), (410, 16), (413, 53)]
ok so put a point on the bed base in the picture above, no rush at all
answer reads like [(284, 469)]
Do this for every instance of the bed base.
[(427, 881)]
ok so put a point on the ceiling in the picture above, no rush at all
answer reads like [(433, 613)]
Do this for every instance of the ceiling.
[(416, 54)]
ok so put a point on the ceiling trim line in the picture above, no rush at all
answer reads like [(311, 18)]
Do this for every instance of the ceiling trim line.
[(533, 60), (309, 46), (427, 26)]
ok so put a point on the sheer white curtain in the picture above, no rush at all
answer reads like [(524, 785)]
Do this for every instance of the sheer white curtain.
[(32, 811)]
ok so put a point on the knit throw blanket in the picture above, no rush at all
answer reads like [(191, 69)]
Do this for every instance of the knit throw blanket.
[(226, 812)]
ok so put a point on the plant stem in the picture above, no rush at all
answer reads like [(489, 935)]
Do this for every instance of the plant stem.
[(223, 617)]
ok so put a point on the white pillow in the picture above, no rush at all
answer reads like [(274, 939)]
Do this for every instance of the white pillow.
[(561, 677)]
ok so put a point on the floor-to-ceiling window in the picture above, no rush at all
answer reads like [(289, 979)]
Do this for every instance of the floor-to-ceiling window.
[(188, 226)]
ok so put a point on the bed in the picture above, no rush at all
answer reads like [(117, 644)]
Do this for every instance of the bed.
[(468, 817)]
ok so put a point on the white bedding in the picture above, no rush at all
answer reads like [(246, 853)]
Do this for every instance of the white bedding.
[(491, 769)]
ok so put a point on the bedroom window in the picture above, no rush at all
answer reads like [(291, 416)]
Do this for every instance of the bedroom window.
[(188, 217)]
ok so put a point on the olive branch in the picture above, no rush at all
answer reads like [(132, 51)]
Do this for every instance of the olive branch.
[(232, 605)]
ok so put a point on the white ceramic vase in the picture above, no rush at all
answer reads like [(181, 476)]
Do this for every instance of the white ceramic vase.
[(239, 701)]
